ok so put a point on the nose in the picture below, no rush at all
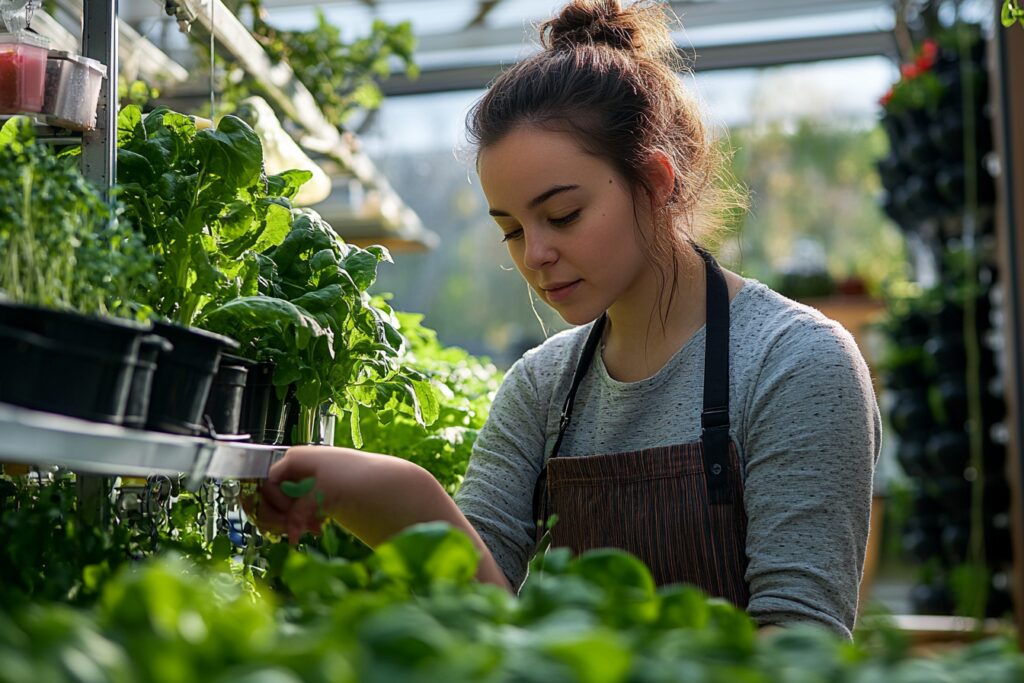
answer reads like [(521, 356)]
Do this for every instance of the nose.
[(539, 249)]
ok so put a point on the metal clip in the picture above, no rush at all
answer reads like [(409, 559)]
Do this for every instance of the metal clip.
[(182, 13)]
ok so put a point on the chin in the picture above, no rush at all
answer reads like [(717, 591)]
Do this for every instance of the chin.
[(576, 316)]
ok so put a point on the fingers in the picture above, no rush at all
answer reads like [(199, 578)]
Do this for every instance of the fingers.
[(294, 466), (280, 513)]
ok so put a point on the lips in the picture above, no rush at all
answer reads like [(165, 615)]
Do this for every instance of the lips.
[(554, 286), (559, 291)]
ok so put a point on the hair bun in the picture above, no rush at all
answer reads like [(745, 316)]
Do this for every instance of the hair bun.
[(639, 29)]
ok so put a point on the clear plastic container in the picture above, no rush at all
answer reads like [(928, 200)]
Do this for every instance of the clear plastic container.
[(22, 72), (72, 90)]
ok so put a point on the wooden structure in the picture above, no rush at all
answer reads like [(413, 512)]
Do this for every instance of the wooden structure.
[(1008, 100)]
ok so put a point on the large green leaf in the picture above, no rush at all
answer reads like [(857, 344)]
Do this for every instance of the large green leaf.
[(427, 553), (232, 151), (288, 183), (362, 266), (321, 300), (253, 316), (129, 124)]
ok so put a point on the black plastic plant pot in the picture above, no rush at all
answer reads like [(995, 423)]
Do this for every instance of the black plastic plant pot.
[(263, 413), (67, 363), (279, 412), (150, 348), (183, 378), (291, 423), (224, 405)]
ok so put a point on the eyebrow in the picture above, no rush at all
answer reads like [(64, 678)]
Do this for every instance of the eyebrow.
[(539, 199)]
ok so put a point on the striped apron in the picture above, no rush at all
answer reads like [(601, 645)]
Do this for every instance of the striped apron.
[(678, 508)]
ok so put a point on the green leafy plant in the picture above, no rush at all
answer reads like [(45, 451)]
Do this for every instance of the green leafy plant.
[(314, 319), (1011, 13), (466, 385), (203, 204), (62, 244), (412, 612), (342, 76)]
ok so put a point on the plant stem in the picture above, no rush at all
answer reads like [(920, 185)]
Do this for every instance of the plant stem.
[(308, 422)]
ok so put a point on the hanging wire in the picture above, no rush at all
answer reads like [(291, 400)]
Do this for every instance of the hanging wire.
[(213, 64)]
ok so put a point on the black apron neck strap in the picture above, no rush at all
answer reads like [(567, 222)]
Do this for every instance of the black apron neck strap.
[(716, 347), (586, 358), (714, 419)]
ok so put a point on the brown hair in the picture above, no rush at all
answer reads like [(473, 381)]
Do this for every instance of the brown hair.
[(607, 75)]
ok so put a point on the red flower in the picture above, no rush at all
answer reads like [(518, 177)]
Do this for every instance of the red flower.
[(886, 98), (910, 71), (930, 49)]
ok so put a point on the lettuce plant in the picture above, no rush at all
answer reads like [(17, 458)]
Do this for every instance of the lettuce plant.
[(314, 319), (203, 203)]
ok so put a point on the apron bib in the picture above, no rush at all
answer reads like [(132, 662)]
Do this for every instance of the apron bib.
[(678, 508)]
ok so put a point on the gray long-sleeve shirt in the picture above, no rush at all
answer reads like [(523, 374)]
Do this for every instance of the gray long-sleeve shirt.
[(803, 415)]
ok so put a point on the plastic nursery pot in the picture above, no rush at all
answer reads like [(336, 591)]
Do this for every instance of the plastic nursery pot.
[(224, 406), (263, 413), (22, 72), (291, 423), (183, 378), (72, 89), (67, 363), (150, 348)]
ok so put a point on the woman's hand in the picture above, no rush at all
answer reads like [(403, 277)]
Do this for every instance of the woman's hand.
[(281, 513), (373, 496)]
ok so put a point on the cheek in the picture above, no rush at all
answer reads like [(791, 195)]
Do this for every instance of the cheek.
[(515, 252)]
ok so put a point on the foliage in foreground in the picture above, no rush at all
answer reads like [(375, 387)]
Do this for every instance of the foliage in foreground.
[(411, 611)]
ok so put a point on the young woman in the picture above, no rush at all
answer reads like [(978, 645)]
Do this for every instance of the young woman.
[(722, 433)]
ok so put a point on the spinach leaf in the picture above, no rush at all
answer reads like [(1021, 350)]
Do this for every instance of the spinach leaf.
[(297, 489)]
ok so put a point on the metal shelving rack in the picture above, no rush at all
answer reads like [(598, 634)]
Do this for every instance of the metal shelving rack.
[(100, 450), (33, 437)]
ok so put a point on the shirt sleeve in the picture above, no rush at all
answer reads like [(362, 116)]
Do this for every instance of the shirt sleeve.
[(496, 495), (813, 436)]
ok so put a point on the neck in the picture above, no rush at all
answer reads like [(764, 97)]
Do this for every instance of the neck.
[(646, 328)]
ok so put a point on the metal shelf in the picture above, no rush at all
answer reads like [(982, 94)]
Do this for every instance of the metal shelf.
[(38, 438)]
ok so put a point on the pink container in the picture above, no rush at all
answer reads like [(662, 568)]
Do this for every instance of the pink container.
[(22, 72)]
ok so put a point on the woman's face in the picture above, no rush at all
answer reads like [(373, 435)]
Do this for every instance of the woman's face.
[(568, 219)]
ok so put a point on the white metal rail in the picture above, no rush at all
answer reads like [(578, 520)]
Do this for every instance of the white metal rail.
[(33, 437)]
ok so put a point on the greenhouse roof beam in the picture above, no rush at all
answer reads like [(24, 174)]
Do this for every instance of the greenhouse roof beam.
[(473, 75)]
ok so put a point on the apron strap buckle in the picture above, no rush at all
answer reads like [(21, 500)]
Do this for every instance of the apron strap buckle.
[(715, 442)]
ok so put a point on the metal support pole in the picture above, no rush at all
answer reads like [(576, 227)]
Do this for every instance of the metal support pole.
[(1009, 53), (99, 41), (99, 164)]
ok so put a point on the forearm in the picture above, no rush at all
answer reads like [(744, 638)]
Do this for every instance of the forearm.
[(380, 495)]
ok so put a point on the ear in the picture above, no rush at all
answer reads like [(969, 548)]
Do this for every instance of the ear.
[(661, 178)]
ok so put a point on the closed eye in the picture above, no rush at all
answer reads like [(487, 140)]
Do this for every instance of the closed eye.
[(512, 235), (567, 219)]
